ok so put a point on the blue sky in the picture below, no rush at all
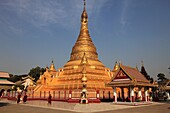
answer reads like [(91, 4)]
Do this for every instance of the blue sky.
[(35, 32)]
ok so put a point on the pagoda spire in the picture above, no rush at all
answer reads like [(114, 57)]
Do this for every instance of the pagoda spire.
[(52, 67), (84, 4), (137, 67), (84, 42), (143, 71), (116, 67)]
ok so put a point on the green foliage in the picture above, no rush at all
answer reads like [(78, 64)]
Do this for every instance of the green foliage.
[(151, 80), (14, 78), (161, 77), (35, 72), (11, 75)]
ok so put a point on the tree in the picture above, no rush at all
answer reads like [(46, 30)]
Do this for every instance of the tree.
[(151, 80), (14, 78), (11, 75), (35, 72), (161, 77)]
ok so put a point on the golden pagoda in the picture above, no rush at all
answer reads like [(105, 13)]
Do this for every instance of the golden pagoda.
[(84, 67)]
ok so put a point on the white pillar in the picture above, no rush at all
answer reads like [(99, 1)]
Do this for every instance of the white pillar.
[(115, 94), (131, 94), (168, 95), (146, 95), (140, 94)]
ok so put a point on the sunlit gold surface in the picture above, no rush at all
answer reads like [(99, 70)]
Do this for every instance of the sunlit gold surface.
[(84, 42), (83, 67), (52, 67)]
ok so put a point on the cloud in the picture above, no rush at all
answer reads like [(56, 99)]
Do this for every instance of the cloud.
[(124, 12), (42, 13)]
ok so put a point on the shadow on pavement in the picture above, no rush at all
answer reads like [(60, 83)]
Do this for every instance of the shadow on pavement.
[(3, 104)]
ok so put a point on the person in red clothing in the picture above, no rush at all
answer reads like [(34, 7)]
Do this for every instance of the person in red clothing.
[(49, 99), (25, 98), (18, 98)]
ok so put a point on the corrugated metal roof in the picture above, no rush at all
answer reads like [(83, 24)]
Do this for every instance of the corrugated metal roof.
[(4, 75), (6, 82)]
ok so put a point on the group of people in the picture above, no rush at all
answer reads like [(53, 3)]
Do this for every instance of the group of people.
[(25, 98)]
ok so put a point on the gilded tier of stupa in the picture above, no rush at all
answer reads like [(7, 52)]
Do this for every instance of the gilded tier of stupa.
[(84, 67)]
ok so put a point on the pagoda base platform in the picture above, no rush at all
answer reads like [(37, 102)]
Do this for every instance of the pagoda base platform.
[(132, 103), (72, 100)]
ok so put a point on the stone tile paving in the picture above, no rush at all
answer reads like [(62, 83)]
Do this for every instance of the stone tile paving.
[(92, 107)]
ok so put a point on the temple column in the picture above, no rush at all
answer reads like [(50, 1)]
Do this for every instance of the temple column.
[(115, 95), (59, 94), (8, 94), (32, 94), (103, 95), (146, 94), (40, 94), (123, 96), (44, 94), (70, 94), (168, 95), (97, 94), (53, 94), (132, 94), (140, 93)]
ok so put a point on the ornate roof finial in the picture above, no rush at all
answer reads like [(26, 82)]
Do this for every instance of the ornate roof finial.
[(116, 67), (84, 16), (137, 66), (46, 68), (142, 63), (52, 67), (84, 4)]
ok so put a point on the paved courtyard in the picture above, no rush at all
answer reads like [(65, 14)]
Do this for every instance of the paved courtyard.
[(7, 106)]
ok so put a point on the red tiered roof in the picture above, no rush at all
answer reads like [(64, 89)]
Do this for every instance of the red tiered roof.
[(128, 76)]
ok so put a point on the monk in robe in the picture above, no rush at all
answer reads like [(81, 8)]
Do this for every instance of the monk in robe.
[(25, 98), (18, 98), (49, 99)]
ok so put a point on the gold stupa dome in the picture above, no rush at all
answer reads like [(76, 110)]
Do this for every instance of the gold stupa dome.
[(52, 67), (84, 45), (38, 81), (116, 67)]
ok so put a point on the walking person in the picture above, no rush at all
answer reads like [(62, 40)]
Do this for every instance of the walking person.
[(25, 98), (49, 99), (18, 98)]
